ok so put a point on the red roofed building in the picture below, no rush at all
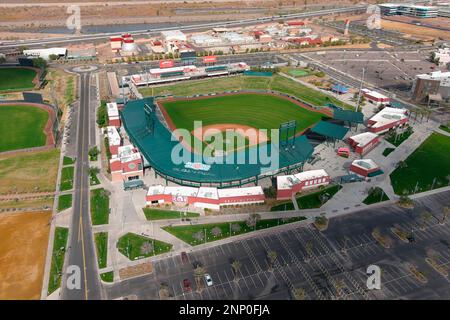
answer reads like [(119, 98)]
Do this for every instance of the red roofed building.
[(127, 165), (365, 167), (291, 184), (296, 23), (386, 119), (364, 142)]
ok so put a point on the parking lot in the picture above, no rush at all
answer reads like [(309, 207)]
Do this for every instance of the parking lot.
[(393, 71), (326, 265)]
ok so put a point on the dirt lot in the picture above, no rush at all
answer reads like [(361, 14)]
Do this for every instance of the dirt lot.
[(414, 31), (22, 254)]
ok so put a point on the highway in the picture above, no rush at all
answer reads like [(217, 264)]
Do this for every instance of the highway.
[(34, 43), (81, 251)]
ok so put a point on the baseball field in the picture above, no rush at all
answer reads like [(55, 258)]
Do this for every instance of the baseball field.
[(238, 111), (16, 79), (22, 127)]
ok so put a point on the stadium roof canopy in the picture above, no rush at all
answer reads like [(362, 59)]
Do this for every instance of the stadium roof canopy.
[(348, 115), (157, 148), (330, 130)]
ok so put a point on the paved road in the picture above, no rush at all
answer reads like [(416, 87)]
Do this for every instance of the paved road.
[(327, 265), (81, 246), (190, 28)]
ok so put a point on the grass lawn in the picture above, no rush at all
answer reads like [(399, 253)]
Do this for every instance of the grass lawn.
[(376, 195), (59, 250), (188, 233), (309, 201), (387, 151), (159, 214), (67, 178), (299, 72), (22, 127), (259, 111), (445, 128), (101, 246), (68, 161), (134, 246), (390, 137), (107, 276), (276, 82), (16, 79), (64, 202), (29, 172), (99, 206), (430, 161)]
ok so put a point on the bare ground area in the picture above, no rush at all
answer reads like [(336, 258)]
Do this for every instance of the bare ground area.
[(414, 31), (22, 254)]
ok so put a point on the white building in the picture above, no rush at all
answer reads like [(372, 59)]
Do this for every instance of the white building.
[(236, 38), (205, 40), (442, 55), (46, 53), (173, 35)]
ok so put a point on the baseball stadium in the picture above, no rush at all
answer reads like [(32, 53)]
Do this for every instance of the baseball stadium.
[(151, 124)]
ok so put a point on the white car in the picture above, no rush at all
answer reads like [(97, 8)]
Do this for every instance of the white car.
[(208, 280)]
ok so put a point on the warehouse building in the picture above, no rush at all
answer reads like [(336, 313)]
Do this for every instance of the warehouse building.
[(364, 142), (387, 119), (173, 35), (291, 184), (46, 53), (409, 10)]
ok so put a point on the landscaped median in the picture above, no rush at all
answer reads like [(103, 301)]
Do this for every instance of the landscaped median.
[(58, 253), (375, 195), (101, 246), (202, 233), (310, 201), (66, 178), (134, 246), (99, 206), (64, 202), (160, 214)]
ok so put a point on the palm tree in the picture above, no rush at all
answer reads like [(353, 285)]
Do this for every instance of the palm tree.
[(252, 220), (445, 213), (271, 257), (426, 217), (299, 293), (146, 248), (216, 231), (199, 272), (236, 265)]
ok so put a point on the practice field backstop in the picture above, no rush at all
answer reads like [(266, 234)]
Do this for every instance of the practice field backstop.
[(143, 124)]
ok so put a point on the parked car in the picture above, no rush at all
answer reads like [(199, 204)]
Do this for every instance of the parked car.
[(208, 280), (187, 285), (184, 257)]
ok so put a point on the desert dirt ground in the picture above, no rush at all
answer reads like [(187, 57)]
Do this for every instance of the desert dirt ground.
[(22, 254), (414, 31)]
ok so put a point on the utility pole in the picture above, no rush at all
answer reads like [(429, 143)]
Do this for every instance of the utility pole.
[(360, 90)]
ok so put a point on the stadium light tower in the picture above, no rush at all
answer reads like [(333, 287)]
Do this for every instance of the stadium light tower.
[(360, 90)]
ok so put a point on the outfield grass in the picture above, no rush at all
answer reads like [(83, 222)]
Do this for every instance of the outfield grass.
[(101, 246), (66, 178), (59, 250), (376, 195), (22, 127), (254, 110), (276, 82), (64, 202), (429, 162), (309, 201), (187, 233), (29, 172), (130, 245), (16, 79), (107, 276), (159, 214), (99, 206)]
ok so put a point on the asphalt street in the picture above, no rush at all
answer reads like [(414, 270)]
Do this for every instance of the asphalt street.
[(326, 265), (81, 251)]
